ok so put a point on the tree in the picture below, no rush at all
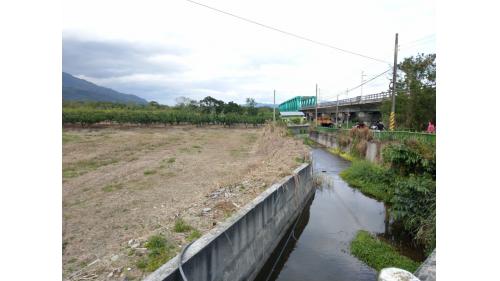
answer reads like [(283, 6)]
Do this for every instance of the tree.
[(232, 107), (415, 93), (251, 106), (154, 104), (211, 105), (184, 102)]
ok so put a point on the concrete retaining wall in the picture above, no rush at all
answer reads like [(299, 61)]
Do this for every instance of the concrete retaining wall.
[(298, 129), (238, 248), (427, 270), (326, 139), (330, 140)]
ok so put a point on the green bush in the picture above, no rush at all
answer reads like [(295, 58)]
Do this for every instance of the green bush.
[(411, 157), (371, 179), (86, 116), (378, 254), (414, 204)]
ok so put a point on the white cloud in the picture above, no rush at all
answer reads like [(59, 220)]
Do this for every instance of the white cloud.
[(200, 52)]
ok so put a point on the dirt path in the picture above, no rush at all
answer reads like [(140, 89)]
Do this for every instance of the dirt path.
[(122, 186)]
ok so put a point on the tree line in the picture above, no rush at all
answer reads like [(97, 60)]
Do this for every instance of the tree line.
[(187, 111)]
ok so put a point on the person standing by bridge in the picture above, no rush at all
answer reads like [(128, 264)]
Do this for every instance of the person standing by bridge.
[(431, 129)]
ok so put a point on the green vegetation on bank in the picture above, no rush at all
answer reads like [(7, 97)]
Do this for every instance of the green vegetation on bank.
[(373, 180), (159, 252), (406, 182), (378, 254)]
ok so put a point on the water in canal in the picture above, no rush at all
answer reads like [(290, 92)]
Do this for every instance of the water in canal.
[(319, 248)]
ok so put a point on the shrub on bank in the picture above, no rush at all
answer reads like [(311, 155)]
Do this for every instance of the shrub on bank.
[(414, 204), (411, 157), (378, 254), (406, 181), (371, 179)]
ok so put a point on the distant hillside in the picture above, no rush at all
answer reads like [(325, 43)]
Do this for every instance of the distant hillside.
[(81, 90), (270, 105)]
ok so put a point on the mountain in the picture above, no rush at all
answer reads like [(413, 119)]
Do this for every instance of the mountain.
[(81, 90), (270, 105)]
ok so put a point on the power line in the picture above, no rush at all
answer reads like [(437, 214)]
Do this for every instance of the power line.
[(369, 80), (425, 38), (365, 82), (289, 33)]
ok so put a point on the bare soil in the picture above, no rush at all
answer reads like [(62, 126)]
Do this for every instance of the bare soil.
[(120, 186)]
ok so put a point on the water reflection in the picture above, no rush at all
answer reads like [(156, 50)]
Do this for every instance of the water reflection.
[(329, 223)]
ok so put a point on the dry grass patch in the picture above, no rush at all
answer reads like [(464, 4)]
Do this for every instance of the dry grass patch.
[(131, 184)]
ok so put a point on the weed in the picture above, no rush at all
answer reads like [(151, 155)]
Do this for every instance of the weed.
[(66, 138), (159, 251), (197, 146), (82, 167), (112, 187), (308, 141), (378, 254), (344, 155), (149, 172), (182, 226), (195, 234), (300, 159), (171, 160)]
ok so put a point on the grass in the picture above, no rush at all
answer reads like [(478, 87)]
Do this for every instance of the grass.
[(300, 160), (182, 226), (159, 252), (84, 166), (238, 152), (378, 254), (251, 137), (308, 141), (112, 187), (373, 180), (171, 160), (149, 172), (66, 138), (195, 234), (344, 155)]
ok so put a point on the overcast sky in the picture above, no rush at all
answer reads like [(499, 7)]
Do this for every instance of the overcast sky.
[(160, 50)]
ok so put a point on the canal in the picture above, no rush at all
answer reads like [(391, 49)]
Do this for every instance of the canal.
[(318, 248)]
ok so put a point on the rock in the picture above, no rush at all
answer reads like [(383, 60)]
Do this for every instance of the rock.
[(115, 258), (396, 274), (206, 210), (141, 251), (134, 243), (129, 269), (110, 274)]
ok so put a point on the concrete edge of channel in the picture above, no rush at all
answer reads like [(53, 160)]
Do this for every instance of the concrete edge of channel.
[(172, 265)]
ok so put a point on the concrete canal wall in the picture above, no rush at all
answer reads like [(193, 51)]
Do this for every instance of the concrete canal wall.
[(373, 149), (238, 248)]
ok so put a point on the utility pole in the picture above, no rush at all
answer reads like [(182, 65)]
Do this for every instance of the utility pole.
[(274, 106), (337, 113), (392, 121), (348, 112), (362, 80), (316, 109)]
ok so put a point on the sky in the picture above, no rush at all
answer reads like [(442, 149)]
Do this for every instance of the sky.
[(162, 50)]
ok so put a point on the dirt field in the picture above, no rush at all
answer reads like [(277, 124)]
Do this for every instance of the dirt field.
[(120, 186)]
